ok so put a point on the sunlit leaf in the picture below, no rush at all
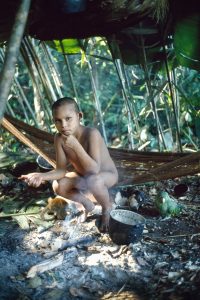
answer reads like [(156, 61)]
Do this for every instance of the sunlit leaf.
[(187, 41), (69, 46)]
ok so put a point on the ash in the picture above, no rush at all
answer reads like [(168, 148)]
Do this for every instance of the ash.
[(66, 259)]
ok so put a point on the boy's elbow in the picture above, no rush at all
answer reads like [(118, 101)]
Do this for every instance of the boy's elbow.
[(94, 169), (61, 171)]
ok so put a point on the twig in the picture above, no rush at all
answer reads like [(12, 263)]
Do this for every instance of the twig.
[(19, 214), (182, 235), (157, 239), (122, 288)]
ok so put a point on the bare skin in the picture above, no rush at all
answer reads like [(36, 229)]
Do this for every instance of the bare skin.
[(85, 149)]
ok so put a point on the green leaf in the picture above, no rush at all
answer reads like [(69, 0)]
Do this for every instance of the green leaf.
[(70, 46), (187, 41)]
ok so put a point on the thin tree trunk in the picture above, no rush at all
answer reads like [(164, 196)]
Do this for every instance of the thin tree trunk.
[(8, 70)]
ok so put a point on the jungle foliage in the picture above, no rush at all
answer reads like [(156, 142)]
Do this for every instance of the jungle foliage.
[(151, 106)]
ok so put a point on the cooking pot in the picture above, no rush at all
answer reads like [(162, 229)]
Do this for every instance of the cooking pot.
[(125, 226)]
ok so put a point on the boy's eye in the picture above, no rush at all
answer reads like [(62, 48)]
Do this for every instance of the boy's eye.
[(68, 118)]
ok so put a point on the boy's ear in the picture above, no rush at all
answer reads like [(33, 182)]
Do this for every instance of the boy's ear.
[(80, 114)]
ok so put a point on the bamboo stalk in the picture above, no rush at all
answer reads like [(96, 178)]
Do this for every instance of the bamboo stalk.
[(190, 139), (172, 99), (9, 108), (134, 111), (167, 111), (152, 99), (96, 98), (117, 63), (53, 71), (21, 104), (41, 72), (18, 85), (176, 96), (70, 74), (36, 87), (132, 118), (12, 51), (38, 93)]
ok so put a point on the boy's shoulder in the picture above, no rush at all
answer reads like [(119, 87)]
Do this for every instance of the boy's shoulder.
[(91, 131)]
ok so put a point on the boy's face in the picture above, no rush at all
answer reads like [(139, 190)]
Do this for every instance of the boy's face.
[(66, 119)]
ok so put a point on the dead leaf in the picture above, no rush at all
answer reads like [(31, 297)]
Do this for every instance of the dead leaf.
[(22, 222)]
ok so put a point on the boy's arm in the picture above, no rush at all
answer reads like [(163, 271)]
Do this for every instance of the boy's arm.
[(89, 162), (35, 179), (61, 161)]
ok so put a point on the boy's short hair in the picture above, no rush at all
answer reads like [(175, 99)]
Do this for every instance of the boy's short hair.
[(65, 100)]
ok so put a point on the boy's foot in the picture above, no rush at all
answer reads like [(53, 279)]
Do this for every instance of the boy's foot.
[(87, 203), (104, 226), (88, 210)]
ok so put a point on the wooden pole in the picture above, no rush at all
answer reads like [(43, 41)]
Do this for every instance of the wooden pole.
[(8, 71), (6, 124)]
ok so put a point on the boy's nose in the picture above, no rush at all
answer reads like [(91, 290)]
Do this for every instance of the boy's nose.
[(64, 124)]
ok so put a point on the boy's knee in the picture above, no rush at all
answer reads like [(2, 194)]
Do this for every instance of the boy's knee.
[(94, 182), (58, 186), (80, 183)]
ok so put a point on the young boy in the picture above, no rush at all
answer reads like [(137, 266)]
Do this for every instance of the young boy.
[(85, 149)]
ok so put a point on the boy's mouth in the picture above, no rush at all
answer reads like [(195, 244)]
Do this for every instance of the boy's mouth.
[(66, 132)]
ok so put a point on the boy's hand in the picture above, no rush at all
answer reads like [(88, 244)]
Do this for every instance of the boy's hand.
[(70, 141), (33, 179)]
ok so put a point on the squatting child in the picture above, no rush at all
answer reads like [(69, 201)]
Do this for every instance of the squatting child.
[(85, 149)]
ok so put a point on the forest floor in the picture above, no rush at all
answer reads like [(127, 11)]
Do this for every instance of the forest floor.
[(164, 264)]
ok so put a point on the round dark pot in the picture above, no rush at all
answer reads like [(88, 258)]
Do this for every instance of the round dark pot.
[(125, 226), (43, 164), (180, 189)]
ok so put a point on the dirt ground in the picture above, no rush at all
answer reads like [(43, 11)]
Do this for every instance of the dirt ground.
[(79, 262)]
